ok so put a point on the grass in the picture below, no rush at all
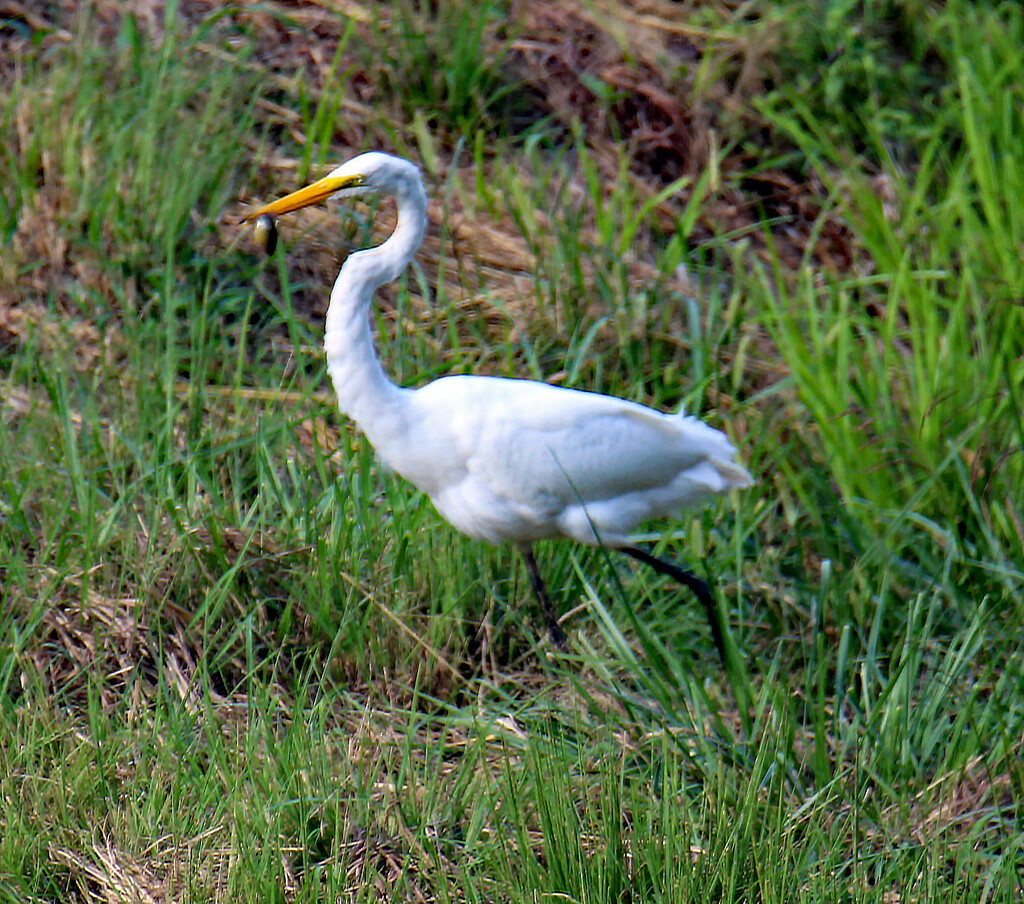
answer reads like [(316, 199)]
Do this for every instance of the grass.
[(240, 661)]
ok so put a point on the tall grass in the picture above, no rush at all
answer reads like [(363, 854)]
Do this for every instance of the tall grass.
[(911, 372), (131, 120), (238, 660)]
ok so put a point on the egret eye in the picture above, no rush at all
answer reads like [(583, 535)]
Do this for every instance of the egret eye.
[(265, 231)]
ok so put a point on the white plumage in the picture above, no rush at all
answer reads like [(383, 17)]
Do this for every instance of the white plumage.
[(507, 460)]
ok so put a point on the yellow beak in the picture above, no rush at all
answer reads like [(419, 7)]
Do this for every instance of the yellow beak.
[(316, 193)]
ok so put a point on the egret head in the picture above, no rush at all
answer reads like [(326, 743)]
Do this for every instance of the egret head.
[(367, 174)]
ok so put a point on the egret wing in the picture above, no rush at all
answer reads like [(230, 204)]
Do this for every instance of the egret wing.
[(539, 441)]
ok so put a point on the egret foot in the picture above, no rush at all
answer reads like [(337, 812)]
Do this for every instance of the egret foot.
[(541, 592), (694, 583)]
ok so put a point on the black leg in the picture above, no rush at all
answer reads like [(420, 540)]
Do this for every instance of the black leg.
[(688, 579), (550, 616)]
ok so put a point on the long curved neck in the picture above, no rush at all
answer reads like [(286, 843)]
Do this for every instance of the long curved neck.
[(364, 391)]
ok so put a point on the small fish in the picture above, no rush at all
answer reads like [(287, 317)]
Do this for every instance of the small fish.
[(265, 229)]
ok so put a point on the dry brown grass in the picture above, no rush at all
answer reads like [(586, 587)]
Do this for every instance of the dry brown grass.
[(670, 120)]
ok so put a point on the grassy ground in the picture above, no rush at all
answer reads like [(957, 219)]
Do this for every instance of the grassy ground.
[(239, 661)]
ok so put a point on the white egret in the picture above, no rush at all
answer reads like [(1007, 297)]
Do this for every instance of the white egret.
[(507, 460)]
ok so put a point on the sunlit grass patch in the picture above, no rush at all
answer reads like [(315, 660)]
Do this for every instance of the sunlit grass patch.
[(912, 372)]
